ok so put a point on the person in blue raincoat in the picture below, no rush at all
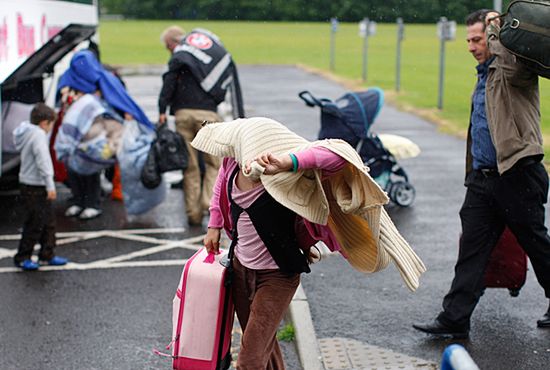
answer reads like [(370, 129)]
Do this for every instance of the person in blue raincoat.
[(91, 130)]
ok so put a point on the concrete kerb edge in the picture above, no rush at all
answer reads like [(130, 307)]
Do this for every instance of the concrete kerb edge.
[(306, 339)]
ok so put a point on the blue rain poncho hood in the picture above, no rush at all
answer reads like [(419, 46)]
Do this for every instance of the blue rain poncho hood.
[(87, 75)]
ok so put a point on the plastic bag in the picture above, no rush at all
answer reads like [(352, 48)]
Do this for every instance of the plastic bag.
[(136, 142)]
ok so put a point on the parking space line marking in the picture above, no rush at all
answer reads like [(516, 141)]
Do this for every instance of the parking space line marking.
[(193, 243), (68, 240), (195, 239), (141, 253), (71, 266), (4, 253), (152, 231), (92, 235), (138, 238), (88, 233)]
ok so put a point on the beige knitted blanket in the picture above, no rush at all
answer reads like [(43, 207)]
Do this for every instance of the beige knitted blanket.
[(349, 202)]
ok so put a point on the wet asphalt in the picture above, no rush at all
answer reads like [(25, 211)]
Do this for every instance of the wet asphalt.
[(112, 314)]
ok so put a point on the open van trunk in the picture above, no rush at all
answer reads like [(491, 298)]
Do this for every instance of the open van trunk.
[(25, 87)]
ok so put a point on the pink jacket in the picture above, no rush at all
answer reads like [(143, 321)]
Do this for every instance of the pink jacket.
[(220, 214)]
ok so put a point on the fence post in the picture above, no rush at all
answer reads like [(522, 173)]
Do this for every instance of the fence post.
[(400, 36), (365, 35), (446, 31), (441, 67), (333, 30)]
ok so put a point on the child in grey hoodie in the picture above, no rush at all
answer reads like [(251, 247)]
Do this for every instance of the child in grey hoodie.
[(37, 189)]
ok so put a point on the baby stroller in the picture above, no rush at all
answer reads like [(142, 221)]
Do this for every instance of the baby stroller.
[(349, 118)]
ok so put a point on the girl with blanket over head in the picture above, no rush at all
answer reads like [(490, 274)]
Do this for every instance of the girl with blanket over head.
[(276, 195)]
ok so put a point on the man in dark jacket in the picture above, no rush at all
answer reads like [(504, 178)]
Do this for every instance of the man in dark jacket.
[(191, 104), (507, 185)]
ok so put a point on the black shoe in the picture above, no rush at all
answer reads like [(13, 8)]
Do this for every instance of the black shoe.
[(439, 329), (544, 322)]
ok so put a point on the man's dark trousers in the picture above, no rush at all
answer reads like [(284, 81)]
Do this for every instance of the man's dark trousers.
[(515, 199), (39, 226)]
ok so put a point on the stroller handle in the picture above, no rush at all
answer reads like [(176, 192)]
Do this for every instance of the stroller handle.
[(309, 99)]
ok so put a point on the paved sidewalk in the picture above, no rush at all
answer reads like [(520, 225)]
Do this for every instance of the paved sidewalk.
[(338, 353)]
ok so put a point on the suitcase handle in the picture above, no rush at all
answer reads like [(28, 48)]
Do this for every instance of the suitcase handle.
[(211, 258), (159, 353)]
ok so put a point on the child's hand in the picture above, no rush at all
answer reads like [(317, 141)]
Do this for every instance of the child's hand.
[(51, 195), (272, 163), (212, 240)]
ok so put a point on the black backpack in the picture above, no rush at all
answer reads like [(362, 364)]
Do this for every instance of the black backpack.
[(168, 153), (525, 32)]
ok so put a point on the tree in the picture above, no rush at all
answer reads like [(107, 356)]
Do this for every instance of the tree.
[(412, 11)]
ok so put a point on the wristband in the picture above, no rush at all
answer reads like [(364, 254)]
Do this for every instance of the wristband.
[(294, 163)]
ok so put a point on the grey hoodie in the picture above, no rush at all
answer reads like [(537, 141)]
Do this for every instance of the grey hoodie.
[(36, 163)]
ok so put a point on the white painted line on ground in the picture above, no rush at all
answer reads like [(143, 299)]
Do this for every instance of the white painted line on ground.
[(194, 243), (192, 247), (68, 240), (4, 253), (79, 234), (86, 233), (152, 231), (137, 238), (195, 239), (141, 253), (97, 266)]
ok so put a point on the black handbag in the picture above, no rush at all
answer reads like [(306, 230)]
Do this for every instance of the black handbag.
[(171, 150), (525, 32), (168, 152)]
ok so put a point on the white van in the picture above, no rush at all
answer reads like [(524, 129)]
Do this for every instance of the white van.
[(37, 38)]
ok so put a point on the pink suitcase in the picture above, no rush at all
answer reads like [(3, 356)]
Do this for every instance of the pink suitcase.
[(202, 315)]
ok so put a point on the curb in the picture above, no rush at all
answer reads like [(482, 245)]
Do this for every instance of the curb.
[(306, 341)]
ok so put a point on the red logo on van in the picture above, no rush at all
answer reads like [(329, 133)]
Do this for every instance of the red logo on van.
[(25, 37), (199, 41), (4, 40)]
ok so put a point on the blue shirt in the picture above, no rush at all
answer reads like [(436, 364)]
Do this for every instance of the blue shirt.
[(483, 150)]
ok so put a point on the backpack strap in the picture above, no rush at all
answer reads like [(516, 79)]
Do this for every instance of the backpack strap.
[(236, 211), (228, 263)]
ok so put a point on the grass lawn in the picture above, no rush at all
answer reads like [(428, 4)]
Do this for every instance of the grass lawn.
[(137, 42)]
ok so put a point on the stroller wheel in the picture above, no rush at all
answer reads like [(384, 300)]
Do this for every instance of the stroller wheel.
[(402, 193)]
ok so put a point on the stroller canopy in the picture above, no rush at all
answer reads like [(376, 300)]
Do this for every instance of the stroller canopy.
[(349, 117)]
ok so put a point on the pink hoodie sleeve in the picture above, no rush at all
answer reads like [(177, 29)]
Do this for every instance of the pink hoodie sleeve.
[(330, 163), (320, 158), (216, 216)]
